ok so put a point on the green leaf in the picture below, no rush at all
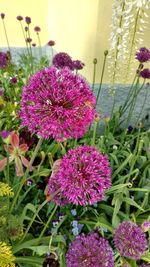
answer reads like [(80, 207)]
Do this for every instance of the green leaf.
[(146, 257), (121, 167), (131, 202), (30, 260), (40, 250)]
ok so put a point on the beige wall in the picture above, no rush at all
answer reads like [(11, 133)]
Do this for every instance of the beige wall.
[(36, 9), (79, 27)]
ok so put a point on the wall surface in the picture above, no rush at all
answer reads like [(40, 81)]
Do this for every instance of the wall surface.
[(79, 27)]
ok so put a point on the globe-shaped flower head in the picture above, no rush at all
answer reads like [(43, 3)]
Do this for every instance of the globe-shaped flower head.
[(90, 251), (130, 240), (83, 175), (4, 60), (143, 55), (58, 103), (61, 60)]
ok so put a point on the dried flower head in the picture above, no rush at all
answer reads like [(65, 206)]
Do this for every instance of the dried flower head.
[(58, 103), (28, 40), (90, 251), (37, 29), (28, 20), (143, 55), (34, 44), (130, 240), (51, 43), (145, 73), (83, 176), (61, 60), (26, 29), (2, 15), (20, 18), (6, 256)]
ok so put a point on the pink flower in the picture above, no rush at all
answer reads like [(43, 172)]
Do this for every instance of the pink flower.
[(16, 153), (82, 175), (58, 103)]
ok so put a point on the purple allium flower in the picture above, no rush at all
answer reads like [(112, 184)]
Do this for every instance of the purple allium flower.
[(13, 80), (145, 73), (37, 29), (58, 103), (82, 176), (78, 65), (28, 40), (4, 60), (4, 134), (143, 55), (51, 43), (19, 18), (130, 240), (2, 15), (28, 20), (61, 60), (90, 251)]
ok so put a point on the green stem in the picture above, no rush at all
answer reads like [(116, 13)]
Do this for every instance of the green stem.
[(94, 134), (128, 97), (26, 173), (142, 108), (133, 102), (31, 222), (39, 41), (116, 57), (102, 75), (36, 213), (94, 73), (132, 44), (6, 35), (47, 223)]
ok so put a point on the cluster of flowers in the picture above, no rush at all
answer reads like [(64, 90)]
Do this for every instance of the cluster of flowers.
[(62, 60), (93, 250), (143, 55), (4, 59)]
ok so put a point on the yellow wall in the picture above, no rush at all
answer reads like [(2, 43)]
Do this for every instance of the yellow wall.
[(36, 9), (79, 27)]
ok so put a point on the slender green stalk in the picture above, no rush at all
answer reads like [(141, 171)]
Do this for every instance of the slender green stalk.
[(94, 134), (30, 49), (133, 102), (36, 213), (94, 73), (128, 96), (39, 41), (47, 223), (32, 220), (102, 75), (24, 37), (26, 173), (142, 108), (116, 57), (6, 35), (132, 44)]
